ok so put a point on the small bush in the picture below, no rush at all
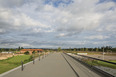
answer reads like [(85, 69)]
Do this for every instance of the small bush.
[(26, 53), (33, 52)]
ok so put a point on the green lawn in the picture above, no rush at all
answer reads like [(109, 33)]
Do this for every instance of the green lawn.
[(113, 61), (18, 59), (6, 66), (101, 63), (13, 62)]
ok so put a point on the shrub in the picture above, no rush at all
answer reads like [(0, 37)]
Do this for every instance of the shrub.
[(33, 52), (26, 53)]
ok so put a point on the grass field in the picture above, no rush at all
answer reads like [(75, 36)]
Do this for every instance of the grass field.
[(13, 62), (96, 62), (114, 61), (101, 63), (18, 59)]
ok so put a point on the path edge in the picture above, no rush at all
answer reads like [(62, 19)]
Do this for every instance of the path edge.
[(7, 72)]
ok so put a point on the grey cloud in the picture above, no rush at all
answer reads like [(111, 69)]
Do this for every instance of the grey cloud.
[(4, 27), (56, 44), (52, 43), (47, 25), (11, 3), (10, 43), (32, 34)]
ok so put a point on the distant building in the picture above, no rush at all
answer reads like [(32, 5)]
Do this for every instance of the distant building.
[(31, 50), (6, 52)]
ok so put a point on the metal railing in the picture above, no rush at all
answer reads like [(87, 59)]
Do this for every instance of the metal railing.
[(97, 59), (102, 67)]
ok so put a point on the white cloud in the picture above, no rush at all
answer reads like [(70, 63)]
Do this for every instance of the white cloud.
[(104, 7), (61, 35), (76, 20), (101, 37), (25, 20), (66, 20), (25, 45)]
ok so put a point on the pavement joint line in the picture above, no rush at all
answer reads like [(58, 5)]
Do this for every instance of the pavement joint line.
[(71, 66), (7, 72)]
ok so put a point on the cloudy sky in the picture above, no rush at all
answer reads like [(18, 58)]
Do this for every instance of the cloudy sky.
[(57, 23)]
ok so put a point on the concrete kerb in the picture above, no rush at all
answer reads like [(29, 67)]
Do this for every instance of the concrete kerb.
[(16, 68)]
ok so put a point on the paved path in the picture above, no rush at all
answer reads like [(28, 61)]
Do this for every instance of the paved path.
[(54, 65)]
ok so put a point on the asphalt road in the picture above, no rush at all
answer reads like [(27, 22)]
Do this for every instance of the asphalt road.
[(54, 65)]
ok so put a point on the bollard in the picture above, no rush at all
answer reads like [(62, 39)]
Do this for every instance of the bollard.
[(45, 54), (39, 57), (42, 56), (33, 61), (21, 65)]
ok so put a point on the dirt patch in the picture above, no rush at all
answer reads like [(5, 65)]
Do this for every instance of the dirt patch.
[(6, 56), (106, 57)]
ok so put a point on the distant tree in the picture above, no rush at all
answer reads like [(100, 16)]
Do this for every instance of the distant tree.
[(92, 49), (99, 49), (22, 48), (96, 49), (82, 49), (59, 48), (19, 48), (33, 52), (108, 48), (16, 49), (74, 49), (70, 49), (103, 49), (89, 49), (46, 50), (79, 49), (86, 49), (2, 49), (114, 49), (11, 49), (26, 53)]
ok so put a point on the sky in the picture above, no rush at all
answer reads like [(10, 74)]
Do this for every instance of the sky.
[(57, 23)]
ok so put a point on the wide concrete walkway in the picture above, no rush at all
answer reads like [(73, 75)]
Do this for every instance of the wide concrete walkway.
[(54, 65)]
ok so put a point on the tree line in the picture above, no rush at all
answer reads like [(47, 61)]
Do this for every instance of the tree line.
[(10, 49), (97, 49)]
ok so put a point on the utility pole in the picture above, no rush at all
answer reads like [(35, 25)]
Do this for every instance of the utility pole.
[(103, 52)]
